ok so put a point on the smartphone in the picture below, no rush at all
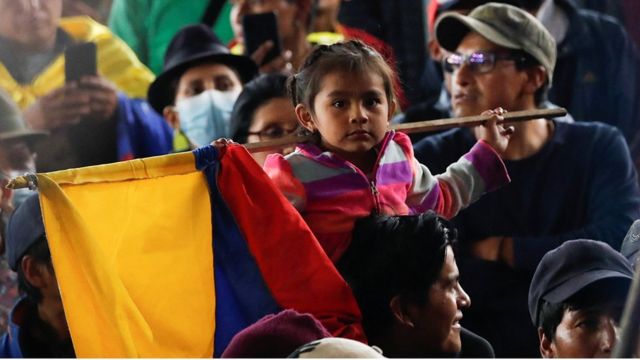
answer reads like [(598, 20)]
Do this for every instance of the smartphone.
[(80, 61), (259, 28)]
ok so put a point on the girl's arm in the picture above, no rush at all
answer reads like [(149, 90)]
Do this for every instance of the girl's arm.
[(478, 171), (280, 172)]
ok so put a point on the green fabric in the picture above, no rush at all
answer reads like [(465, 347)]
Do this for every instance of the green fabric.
[(148, 26)]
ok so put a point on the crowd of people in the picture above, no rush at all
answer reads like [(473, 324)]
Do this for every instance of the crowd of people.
[(535, 219)]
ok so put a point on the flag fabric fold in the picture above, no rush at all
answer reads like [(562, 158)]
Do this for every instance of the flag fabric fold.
[(172, 256)]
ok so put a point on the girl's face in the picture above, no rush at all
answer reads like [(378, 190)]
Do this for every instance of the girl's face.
[(351, 112)]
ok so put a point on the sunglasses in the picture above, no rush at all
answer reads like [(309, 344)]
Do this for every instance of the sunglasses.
[(479, 62)]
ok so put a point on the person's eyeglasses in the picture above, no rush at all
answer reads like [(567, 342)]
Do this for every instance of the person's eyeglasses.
[(478, 62), (273, 132)]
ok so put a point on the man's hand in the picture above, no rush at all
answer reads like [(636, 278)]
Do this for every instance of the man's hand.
[(494, 248), (63, 106), (281, 64), (103, 97), (93, 96)]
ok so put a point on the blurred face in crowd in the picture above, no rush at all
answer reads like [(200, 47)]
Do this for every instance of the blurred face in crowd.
[(15, 155), (207, 77), (585, 333), (274, 119), (501, 85), (50, 309), (437, 322), (204, 97), (287, 12), (30, 23)]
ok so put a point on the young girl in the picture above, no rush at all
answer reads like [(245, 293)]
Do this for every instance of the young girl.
[(344, 94)]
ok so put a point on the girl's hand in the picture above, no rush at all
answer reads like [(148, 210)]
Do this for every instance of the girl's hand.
[(222, 142), (493, 132)]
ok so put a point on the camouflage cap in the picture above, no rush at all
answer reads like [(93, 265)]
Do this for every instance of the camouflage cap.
[(504, 25)]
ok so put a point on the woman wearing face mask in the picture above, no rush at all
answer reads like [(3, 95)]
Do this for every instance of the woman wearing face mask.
[(198, 86)]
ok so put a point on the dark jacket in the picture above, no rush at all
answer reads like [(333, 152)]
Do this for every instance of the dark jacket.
[(581, 184), (17, 342), (596, 71)]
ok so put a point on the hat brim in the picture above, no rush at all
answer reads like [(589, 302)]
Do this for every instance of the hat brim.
[(570, 287), (161, 94), (452, 27), (30, 136)]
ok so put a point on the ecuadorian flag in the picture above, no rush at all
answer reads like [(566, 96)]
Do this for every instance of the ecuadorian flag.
[(171, 256)]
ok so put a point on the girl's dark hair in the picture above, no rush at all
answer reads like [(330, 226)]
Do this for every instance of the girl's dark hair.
[(39, 252), (394, 256), (255, 93), (349, 57)]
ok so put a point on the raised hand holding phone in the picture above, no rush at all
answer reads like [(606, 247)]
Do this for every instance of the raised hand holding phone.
[(263, 43)]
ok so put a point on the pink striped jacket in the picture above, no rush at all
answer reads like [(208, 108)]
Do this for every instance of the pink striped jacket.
[(332, 193)]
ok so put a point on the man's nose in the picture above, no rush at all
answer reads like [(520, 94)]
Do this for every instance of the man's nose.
[(31, 4), (463, 300), (462, 75), (608, 338)]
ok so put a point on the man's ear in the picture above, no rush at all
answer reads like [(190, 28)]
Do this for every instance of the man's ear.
[(33, 272), (171, 115), (304, 117), (547, 348), (536, 77), (399, 311), (435, 51)]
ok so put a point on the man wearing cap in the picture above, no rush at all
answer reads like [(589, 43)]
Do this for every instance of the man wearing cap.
[(198, 86), (569, 180), (37, 325), (576, 299), (16, 158)]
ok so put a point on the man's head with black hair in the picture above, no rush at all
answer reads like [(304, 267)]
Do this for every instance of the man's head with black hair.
[(404, 277), (576, 298), (28, 254)]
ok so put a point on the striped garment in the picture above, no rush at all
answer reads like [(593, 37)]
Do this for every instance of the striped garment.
[(332, 193)]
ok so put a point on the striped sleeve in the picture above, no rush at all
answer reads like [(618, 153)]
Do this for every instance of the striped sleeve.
[(281, 173), (475, 173)]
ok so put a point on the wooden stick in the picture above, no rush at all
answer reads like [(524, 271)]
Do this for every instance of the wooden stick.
[(628, 344), (421, 126), (410, 128), (470, 121)]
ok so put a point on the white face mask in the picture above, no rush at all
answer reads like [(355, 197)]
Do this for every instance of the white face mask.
[(206, 116)]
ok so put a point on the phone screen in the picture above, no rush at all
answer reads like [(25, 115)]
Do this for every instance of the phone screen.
[(259, 28), (80, 61)]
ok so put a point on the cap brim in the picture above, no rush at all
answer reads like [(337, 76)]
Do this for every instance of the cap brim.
[(161, 94), (568, 288), (452, 27)]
